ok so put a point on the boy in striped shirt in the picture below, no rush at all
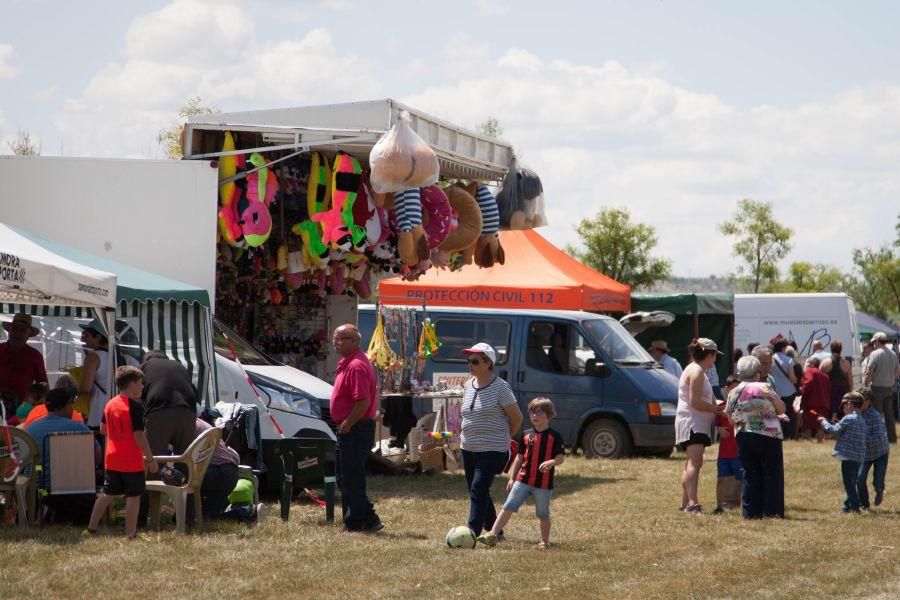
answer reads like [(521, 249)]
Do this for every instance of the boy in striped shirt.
[(540, 451)]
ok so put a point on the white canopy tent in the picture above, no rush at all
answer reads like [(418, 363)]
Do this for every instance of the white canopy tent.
[(32, 274)]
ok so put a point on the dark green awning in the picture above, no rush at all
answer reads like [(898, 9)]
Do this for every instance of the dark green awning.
[(684, 304)]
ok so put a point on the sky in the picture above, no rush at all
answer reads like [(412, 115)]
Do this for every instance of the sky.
[(674, 110)]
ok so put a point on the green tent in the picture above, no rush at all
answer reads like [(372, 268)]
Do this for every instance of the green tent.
[(696, 315), (166, 315)]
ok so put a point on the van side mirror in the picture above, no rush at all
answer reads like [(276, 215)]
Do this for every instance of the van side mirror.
[(595, 368)]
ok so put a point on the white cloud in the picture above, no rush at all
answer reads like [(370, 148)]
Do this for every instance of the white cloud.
[(130, 100), (598, 134), (491, 8), (46, 94), (608, 135), (7, 69)]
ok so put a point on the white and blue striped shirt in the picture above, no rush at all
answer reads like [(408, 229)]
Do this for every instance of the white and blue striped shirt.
[(485, 426)]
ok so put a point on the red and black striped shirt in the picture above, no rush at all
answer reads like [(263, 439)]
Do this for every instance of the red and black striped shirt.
[(538, 447)]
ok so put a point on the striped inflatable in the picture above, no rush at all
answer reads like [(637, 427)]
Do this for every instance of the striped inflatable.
[(408, 205), (490, 213)]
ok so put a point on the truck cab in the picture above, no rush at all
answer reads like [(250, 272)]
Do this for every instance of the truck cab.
[(611, 397)]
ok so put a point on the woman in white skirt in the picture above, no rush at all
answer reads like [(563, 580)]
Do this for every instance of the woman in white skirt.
[(694, 418)]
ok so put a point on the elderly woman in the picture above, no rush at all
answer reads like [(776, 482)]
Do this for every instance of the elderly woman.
[(694, 417), (490, 416), (755, 408)]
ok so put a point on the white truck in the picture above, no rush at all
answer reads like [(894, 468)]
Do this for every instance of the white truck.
[(801, 318)]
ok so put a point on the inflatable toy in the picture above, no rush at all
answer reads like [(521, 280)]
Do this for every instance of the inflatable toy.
[(318, 190), (401, 160), (469, 217), (438, 218)]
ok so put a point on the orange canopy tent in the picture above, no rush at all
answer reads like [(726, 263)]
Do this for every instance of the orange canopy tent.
[(537, 274)]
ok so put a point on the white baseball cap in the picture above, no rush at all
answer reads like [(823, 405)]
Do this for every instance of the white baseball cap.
[(482, 348)]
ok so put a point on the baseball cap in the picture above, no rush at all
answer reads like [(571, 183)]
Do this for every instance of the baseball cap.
[(880, 337), (707, 344), (482, 348)]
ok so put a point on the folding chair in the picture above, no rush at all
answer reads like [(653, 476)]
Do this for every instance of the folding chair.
[(17, 469), (70, 458), (196, 458)]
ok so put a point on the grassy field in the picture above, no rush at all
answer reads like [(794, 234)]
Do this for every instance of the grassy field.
[(617, 534)]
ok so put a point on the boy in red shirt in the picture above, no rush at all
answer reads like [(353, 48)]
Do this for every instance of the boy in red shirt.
[(127, 450), (731, 473), (540, 451)]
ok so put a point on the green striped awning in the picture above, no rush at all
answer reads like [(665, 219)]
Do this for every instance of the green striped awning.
[(180, 330)]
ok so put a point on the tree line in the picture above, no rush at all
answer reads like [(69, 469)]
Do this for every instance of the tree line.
[(612, 244)]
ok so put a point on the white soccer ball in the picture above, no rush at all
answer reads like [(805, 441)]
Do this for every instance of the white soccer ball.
[(461, 537)]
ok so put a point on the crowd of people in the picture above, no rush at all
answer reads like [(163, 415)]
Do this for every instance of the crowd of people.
[(758, 410), (154, 414)]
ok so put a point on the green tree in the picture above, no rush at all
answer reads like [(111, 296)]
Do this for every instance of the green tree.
[(760, 241), (170, 139), (806, 277), (490, 128), (620, 249), (23, 145), (876, 289)]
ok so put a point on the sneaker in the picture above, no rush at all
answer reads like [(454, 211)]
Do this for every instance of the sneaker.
[(719, 510), (488, 539), (879, 497), (694, 509), (260, 513), (543, 545)]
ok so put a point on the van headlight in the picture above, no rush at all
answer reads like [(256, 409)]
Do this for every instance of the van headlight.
[(285, 397)]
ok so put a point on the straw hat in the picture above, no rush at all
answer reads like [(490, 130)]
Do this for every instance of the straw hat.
[(22, 319)]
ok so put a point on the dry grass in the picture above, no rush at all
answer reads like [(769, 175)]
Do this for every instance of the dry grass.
[(617, 533)]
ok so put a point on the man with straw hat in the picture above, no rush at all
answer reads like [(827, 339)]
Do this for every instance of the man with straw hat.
[(20, 364), (659, 350)]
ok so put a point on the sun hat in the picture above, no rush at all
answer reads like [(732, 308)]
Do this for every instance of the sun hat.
[(880, 337), (708, 344), (482, 348), (96, 326), (659, 345), (22, 319)]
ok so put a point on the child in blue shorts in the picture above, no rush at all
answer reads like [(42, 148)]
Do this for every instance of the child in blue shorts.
[(540, 452)]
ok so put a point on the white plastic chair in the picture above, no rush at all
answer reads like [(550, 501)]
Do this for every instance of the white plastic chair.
[(18, 471), (196, 458)]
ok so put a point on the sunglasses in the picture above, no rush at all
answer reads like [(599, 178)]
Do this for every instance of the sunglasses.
[(475, 361), (536, 412)]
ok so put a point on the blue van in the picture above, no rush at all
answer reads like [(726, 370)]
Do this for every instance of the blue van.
[(611, 397)]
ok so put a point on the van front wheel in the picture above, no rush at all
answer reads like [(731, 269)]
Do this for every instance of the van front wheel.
[(606, 438)]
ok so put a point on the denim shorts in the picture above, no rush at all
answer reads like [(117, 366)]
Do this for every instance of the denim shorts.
[(730, 467), (520, 492)]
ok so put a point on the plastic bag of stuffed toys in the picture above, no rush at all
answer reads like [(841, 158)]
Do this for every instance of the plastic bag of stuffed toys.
[(401, 160), (521, 199)]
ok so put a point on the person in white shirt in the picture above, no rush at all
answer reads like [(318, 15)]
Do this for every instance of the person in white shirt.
[(659, 350)]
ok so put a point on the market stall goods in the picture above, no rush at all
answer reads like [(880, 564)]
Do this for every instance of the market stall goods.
[(227, 170), (488, 249), (401, 160), (438, 217), (413, 244), (261, 187), (521, 199), (469, 221), (318, 191)]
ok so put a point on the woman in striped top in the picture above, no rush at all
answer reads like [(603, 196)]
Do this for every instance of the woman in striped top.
[(490, 415)]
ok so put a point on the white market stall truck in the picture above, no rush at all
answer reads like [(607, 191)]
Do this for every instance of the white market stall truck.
[(802, 319)]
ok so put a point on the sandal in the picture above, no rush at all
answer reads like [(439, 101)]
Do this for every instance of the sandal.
[(696, 509), (543, 545)]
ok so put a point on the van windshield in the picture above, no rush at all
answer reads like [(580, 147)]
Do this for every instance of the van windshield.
[(247, 354), (616, 343)]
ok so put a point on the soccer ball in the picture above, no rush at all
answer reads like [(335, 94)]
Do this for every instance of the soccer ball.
[(461, 537)]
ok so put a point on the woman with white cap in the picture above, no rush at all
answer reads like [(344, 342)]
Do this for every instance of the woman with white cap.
[(490, 416), (694, 418), (756, 411)]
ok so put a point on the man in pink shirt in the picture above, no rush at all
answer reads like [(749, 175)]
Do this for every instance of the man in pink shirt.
[(354, 402)]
